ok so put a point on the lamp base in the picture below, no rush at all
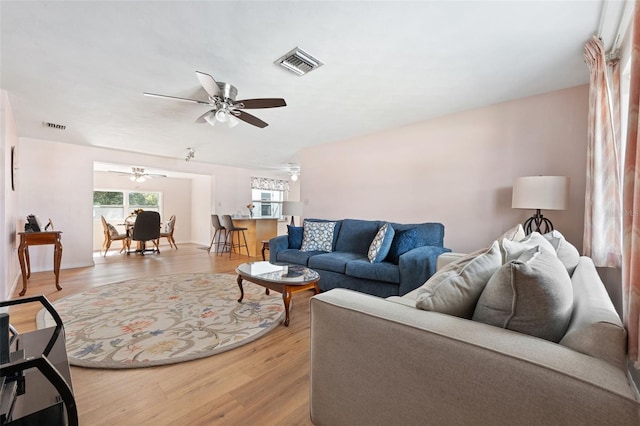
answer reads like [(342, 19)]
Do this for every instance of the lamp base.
[(534, 223), (292, 222)]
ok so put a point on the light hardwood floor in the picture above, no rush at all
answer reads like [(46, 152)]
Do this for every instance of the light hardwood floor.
[(265, 382)]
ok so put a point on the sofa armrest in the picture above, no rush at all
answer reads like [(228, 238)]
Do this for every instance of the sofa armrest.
[(276, 245), (445, 258), (375, 362), (417, 266)]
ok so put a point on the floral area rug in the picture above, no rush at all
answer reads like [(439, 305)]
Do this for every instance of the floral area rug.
[(163, 320)]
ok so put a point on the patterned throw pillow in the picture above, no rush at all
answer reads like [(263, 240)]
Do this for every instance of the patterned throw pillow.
[(317, 236), (381, 244)]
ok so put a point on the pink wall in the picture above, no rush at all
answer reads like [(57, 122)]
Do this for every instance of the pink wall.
[(457, 169), (9, 269)]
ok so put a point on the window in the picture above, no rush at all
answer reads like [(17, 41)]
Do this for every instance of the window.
[(267, 195), (117, 205), (268, 202)]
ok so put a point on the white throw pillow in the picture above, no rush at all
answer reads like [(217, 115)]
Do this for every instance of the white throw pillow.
[(514, 234), (455, 289), (513, 249), (317, 236), (566, 252), (532, 294)]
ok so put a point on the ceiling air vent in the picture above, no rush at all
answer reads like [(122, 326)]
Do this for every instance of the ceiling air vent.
[(298, 61), (54, 125)]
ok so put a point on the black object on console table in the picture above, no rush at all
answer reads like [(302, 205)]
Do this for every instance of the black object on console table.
[(35, 383)]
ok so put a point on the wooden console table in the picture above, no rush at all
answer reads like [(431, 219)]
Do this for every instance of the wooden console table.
[(36, 239)]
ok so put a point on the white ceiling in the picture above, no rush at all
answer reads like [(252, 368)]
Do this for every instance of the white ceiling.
[(85, 64)]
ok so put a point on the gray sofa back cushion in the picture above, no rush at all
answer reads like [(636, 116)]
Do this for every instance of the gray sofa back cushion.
[(595, 328), (531, 295)]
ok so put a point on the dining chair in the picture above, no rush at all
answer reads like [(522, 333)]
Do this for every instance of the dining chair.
[(146, 228), (232, 230), (111, 234), (218, 230), (168, 232)]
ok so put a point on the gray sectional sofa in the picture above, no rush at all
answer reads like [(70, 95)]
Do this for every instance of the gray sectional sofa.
[(346, 264), (455, 370)]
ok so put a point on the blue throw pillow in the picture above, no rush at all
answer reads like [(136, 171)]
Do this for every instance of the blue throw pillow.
[(295, 236), (403, 241), (381, 244)]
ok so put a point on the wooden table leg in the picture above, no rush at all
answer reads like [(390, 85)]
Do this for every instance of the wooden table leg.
[(23, 258), (57, 260), (286, 298), (239, 280)]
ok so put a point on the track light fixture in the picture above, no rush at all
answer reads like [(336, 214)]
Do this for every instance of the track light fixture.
[(191, 153)]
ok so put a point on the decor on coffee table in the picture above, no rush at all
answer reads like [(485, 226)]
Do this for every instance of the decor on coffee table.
[(163, 320)]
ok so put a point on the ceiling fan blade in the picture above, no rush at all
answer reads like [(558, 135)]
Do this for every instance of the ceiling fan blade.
[(175, 98), (248, 118), (209, 84), (262, 103), (202, 119)]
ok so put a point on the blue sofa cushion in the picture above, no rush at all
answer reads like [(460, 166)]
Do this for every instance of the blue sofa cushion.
[(429, 234), (379, 248), (317, 236), (356, 235), (403, 241), (385, 271), (296, 256), (295, 236), (335, 262)]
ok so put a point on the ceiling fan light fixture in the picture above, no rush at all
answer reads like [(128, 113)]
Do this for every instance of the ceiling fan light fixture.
[(232, 121), (210, 118), (221, 115)]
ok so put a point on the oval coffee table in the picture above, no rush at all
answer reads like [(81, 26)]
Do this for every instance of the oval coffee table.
[(283, 278)]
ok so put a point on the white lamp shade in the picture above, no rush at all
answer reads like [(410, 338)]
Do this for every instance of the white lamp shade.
[(541, 192), (292, 208)]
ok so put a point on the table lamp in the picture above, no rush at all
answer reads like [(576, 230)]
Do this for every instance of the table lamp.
[(540, 193), (293, 208)]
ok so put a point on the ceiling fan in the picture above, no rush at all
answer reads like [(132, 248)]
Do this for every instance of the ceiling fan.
[(138, 175), (224, 106)]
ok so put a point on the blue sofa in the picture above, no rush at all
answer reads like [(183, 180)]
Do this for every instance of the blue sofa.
[(347, 264)]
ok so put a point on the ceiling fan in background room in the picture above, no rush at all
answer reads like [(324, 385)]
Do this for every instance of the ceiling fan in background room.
[(224, 106), (137, 174)]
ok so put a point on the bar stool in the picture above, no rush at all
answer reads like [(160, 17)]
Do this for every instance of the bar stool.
[(218, 230), (232, 230)]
